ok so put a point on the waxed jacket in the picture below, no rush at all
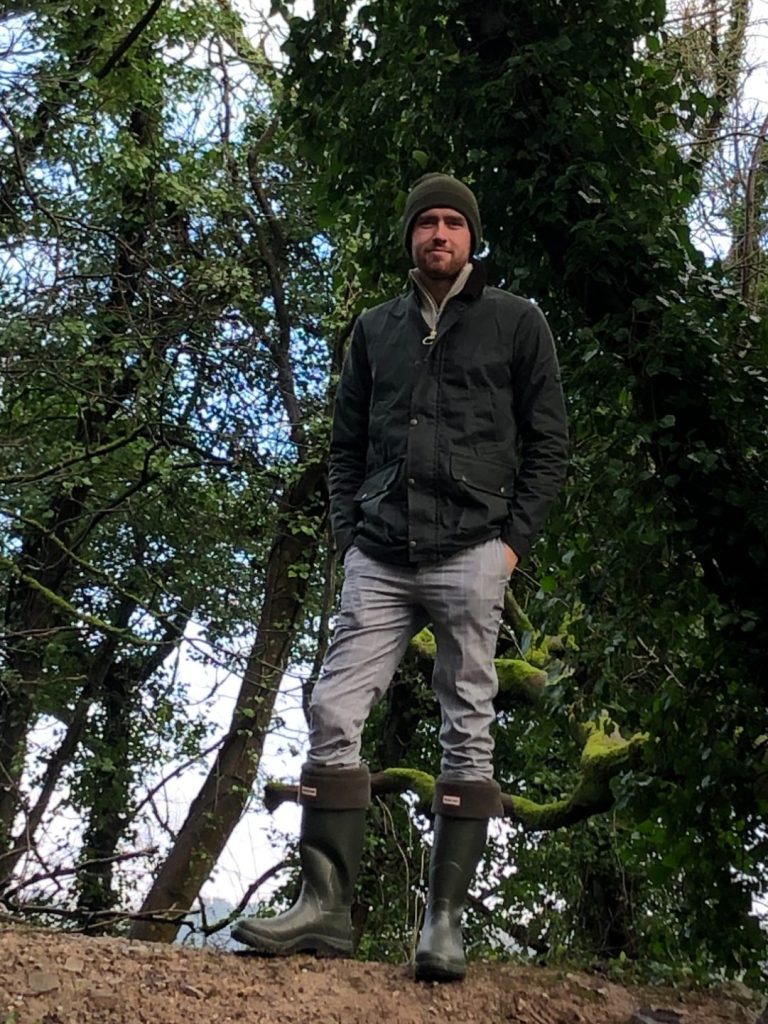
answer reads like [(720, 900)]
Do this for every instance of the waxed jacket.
[(439, 447)]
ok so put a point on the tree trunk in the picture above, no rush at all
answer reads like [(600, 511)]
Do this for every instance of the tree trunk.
[(29, 615), (114, 770), (110, 781), (45, 560), (101, 664), (218, 806)]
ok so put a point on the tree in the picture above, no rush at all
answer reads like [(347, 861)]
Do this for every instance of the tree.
[(170, 352), (164, 459), (567, 131)]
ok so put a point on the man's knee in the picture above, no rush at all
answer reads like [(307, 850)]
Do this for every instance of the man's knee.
[(335, 730)]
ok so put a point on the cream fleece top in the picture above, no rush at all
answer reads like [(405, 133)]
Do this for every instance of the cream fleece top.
[(429, 308)]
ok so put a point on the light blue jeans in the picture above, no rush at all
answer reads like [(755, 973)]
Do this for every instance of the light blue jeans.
[(382, 607)]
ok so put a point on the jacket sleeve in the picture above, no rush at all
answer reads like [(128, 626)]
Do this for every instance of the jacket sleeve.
[(349, 440), (541, 423)]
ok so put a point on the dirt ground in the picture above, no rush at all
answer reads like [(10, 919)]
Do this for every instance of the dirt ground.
[(52, 978)]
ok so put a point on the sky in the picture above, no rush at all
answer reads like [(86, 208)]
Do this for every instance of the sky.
[(757, 54)]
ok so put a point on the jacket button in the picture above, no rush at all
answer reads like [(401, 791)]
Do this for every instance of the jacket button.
[(463, 479), (501, 490), (411, 481), (412, 543), (414, 421), (363, 496)]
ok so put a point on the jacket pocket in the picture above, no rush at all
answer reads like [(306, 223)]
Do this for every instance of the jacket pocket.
[(490, 478), (378, 483), (483, 491)]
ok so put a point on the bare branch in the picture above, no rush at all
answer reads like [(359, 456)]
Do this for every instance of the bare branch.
[(281, 351), (63, 872), (114, 59), (245, 899)]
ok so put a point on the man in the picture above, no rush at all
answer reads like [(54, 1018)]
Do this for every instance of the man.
[(449, 445)]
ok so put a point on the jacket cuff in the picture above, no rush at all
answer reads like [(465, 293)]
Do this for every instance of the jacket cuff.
[(344, 542), (519, 543)]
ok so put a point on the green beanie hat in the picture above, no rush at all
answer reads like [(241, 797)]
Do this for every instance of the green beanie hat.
[(441, 190)]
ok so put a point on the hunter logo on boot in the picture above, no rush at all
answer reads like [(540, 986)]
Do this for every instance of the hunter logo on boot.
[(451, 801), (309, 791)]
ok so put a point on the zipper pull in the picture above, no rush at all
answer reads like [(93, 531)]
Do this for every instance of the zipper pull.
[(430, 338)]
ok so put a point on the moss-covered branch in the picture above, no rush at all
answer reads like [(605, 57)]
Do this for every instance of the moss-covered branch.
[(424, 645), (515, 615), (520, 680), (604, 755)]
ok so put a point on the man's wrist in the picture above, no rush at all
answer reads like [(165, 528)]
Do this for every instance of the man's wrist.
[(515, 540)]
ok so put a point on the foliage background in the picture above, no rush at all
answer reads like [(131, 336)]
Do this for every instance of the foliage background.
[(189, 228)]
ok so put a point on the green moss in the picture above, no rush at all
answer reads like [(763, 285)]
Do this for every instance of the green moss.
[(590, 797), (424, 643), (540, 656), (420, 783), (606, 751), (516, 617), (539, 817), (520, 678)]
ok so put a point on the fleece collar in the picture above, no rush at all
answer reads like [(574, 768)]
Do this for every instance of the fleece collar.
[(471, 286), (429, 307)]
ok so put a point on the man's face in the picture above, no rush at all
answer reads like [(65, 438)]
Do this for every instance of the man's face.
[(441, 242)]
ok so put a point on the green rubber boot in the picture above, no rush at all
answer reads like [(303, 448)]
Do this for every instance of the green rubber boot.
[(458, 847), (334, 801), (319, 922)]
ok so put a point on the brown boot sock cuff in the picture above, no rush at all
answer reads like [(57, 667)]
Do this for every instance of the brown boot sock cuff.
[(329, 788), (479, 798)]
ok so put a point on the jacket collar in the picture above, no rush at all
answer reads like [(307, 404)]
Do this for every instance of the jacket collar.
[(476, 281), (451, 312), (429, 307)]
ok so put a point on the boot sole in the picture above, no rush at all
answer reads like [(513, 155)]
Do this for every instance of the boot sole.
[(318, 945), (438, 970)]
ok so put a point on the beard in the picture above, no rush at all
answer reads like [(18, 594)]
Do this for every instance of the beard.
[(438, 269)]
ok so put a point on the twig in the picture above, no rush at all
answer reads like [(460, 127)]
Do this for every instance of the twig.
[(169, 917), (224, 922), (54, 873), (176, 772)]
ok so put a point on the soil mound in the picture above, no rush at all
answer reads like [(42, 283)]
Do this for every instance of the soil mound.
[(54, 978)]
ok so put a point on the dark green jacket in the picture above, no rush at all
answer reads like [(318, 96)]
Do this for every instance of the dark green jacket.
[(436, 448)]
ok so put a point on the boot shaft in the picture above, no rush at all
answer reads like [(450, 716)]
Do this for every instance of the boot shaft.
[(458, 845), (330, 850)]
